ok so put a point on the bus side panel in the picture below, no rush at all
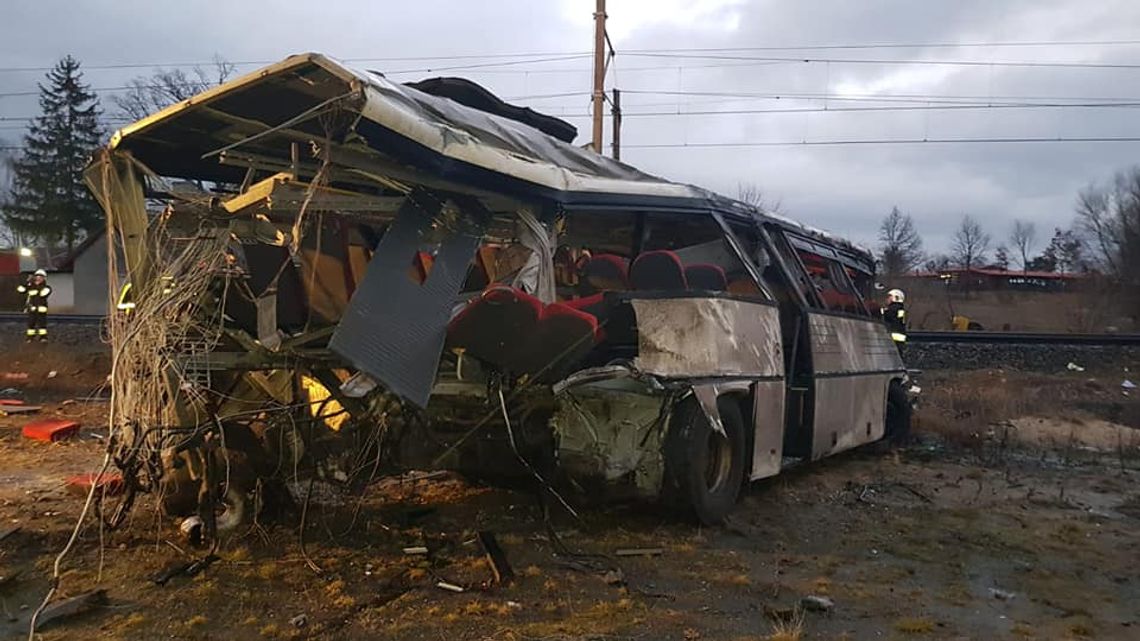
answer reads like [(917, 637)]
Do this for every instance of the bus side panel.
[(854, 361), (768, 428), (850, 411)]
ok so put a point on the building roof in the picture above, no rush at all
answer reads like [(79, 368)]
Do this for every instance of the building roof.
[(1001, 273)]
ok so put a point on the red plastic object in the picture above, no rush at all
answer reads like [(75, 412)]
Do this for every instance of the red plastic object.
[(11, 401), (109, 484), (51, 430)]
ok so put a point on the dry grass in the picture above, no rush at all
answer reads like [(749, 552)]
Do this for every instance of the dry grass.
[(915, 625), (790, 628)]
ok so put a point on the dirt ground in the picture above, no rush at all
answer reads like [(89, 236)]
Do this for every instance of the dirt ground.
[(991, 527)]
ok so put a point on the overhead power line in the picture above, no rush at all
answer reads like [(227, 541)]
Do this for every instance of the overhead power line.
[(539, 54), (889, 61), (885, 141)]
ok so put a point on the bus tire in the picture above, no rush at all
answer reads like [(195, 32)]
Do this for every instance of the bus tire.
[(898, 413), (704, 470)]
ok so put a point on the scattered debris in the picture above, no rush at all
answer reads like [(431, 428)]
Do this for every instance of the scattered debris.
[(191, 568), (815, 603), (191, 528), (1073, 367), (640, 552), (450, 587), (417, 550), (1127, 384), (500, 567), (70, 607), (20, 409), (52, 374), (5, 579), (15, 376), (51, 430), (299, 621), (108, 484), (614, 577), (1002, 595), (10, 402)]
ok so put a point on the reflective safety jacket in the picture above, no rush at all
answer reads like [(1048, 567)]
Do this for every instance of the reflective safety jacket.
[(894, 316), (126, 302), (37, 296)]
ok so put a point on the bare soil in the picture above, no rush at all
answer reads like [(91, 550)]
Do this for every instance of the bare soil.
[(973, 533)]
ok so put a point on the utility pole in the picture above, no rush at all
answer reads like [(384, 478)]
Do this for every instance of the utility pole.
[(599, 71), (615, 104)]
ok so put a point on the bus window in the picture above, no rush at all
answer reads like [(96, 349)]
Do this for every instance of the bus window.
[(689, 251), (831, 282)]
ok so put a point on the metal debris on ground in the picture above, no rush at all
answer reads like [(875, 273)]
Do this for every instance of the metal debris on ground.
[(1073, 367), (1002, 595), (450, 587), (70, 607), (417, 550), (19, 408), (500, 567), (640, 552), (189, 569), (815, 603), (299, 621)]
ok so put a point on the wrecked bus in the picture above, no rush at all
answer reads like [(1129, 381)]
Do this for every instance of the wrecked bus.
[(333, 276)]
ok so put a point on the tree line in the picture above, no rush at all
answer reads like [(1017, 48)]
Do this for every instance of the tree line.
[(1103, 238), (44, 200)]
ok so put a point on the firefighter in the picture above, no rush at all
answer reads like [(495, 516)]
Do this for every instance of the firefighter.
[(37, 291), (894, 315)]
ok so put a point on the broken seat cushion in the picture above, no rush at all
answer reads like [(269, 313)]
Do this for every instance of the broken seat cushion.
[(51, 430), (564, 337), (494, 327)]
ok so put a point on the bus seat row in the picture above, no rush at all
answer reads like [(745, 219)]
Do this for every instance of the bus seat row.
[(659, 270), (515, 332)]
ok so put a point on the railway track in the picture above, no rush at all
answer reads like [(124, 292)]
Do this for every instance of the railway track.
[(998, 338), (58, 319), (1023, 338)]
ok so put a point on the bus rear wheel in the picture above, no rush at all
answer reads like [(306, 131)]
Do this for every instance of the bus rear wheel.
[(704, 469)]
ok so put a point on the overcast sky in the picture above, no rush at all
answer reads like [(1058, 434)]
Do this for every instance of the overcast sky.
[(847, 189)]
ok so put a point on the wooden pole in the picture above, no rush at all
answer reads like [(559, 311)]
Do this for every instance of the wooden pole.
[(599, 71)]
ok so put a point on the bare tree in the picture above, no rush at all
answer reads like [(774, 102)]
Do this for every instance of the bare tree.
[(971, 243), (1023, 238), (751, 194), (8, 237), (148, 94), (900, 246), (1109, 217)]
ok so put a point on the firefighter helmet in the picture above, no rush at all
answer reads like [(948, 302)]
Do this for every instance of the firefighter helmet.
[(896, 296), (41, 272)]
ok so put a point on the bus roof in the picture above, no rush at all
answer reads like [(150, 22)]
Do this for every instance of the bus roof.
[(378, 126)]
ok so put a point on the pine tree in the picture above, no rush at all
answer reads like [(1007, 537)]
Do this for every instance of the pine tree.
[(48, 199)]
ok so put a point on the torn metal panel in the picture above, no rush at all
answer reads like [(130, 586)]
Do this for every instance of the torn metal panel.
[(394, 327), (706, 396), (536, 276), (612, 432), (849, 411), (705, 337), (841, 344), (768, 431)]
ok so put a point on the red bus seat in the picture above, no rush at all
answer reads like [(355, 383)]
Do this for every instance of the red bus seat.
[(494, 327), (658, 270), (706, 276)]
